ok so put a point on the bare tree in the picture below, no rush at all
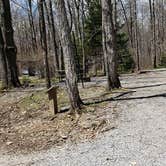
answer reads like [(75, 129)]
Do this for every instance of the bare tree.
[(53, 33), (3, 62), (153, 32), (32, 27), (110, 43), (68, 53), (44, 40), (136, 40), (9, 44)]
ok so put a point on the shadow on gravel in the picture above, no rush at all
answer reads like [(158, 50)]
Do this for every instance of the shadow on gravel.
[(146, 86), (119, 97), (128, 98), (143, 97), (97, 101)]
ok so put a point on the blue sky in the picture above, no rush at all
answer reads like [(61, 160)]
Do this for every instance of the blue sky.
[(21, 6)]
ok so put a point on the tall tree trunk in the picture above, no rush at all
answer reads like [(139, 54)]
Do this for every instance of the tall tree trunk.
[(44, 40), (154, 36), (32, 27), (153, 32), (3, 62), (83, 40), (136, 40), (131, 23), (48, 25), (9, 45), (163, 24), (53, 33), (68, 53), (109, 43)]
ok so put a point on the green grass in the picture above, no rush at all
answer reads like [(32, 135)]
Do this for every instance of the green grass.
[(36, 80)]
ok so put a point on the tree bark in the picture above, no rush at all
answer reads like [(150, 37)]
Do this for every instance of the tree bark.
[(32, 27), (3, 62), (83, 40), (153, 32), (136, 40), (109, 44), (9, 44), (44, 40), (154, 36), (68, 53), (53, 33)]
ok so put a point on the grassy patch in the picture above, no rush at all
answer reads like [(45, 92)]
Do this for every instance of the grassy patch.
[(37, 99), (36, 80), (32, 80)]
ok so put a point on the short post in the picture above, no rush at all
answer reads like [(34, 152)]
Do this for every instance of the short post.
[(52, 95)]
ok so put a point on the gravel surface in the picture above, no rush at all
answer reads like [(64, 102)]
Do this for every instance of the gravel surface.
[(138, 140)]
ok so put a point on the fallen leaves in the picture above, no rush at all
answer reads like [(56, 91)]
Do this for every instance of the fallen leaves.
[(29, 125)]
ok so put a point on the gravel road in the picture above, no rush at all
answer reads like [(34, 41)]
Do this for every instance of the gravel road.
[(138, 140)]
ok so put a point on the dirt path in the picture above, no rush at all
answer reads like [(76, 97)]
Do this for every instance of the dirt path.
[(138, 140)]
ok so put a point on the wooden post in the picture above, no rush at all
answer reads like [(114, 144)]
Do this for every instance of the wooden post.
[(52, 95)]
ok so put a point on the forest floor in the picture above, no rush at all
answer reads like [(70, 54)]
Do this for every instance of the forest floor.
[(27, 122), (130, 129)]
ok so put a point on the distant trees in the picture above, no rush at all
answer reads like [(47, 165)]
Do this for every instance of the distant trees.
[(145, 21), (81, 38), (135, 19), (157, 14), (93, 35), (7, 43)]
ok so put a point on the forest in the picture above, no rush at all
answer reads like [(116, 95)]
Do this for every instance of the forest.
[(88, 56), (76, 39)]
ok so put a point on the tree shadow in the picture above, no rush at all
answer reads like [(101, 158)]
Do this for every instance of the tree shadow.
[(146, 86), (117, 98), (97, 100), (142, 97), (103, 99)]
